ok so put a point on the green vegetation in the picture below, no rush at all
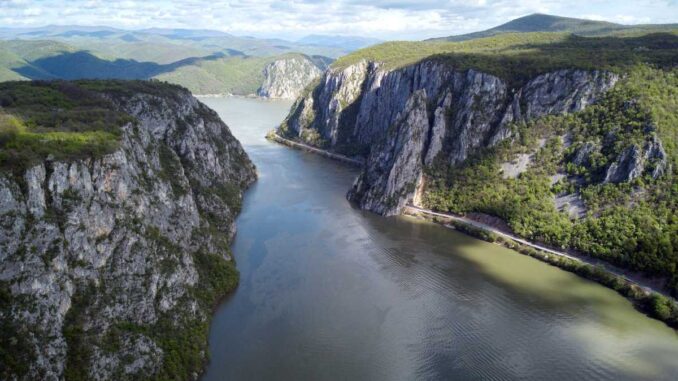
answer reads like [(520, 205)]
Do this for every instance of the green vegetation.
[(66, 120), (80, 119), (548, 23), (182, 335), (171, 170), (632, 225), (61, 119), (651, 303), (235, 75), (241, 75), (312, 137), (16, 350), (77, 339), (518, 57)]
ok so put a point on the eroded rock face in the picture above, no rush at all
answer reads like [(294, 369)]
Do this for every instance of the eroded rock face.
[(382, 189), (454, 114), (115, 237), (634, 161), (286, 78)]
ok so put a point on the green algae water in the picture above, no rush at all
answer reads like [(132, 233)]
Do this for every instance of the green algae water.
[(329, 292)]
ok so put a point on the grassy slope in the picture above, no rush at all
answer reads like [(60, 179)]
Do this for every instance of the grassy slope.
[(548, 23), (18, 54), (160, 52), (514, 55), (67, 120), (236, 75), (9, 60)]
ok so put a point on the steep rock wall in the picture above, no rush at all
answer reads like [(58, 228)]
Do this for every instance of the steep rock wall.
[(406, 119), (95, 243), (286, 78)]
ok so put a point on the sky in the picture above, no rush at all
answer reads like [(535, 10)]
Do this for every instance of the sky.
[(383, 19)]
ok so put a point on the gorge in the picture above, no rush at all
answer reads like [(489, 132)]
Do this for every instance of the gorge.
[(500, 204), (329, 291)]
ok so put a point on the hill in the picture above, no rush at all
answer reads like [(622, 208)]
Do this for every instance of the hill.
[(547, 23)]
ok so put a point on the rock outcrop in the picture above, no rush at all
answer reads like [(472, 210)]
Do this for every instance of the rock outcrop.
[(410, 118), (287, 77), (634, 161), (96, 252)]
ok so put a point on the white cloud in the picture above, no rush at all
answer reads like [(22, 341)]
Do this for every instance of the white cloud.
[(386, 19)]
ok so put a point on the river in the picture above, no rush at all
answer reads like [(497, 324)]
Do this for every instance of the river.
[(330, 292)]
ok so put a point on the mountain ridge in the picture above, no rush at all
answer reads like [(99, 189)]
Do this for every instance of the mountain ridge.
[(541, 22)]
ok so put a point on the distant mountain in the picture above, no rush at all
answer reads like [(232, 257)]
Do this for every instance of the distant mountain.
[(344, 42), (223, 72), (204, 61), (54, 30), (186, 33), (165, 46), (547, 23)]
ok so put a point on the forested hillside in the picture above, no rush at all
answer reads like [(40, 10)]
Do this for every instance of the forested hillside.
[(571, 140)]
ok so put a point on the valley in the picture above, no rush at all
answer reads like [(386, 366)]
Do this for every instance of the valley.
[(342, 190), (328, 291)]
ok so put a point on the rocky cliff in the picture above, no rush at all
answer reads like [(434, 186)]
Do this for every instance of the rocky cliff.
[(287, 77), (407, 119), (110, 265)]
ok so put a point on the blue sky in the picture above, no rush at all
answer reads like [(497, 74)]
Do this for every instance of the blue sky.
[(385, 19)]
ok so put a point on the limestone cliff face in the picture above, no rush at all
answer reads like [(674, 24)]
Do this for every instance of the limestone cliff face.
[(101, 244), (286, 78), (406, 119)]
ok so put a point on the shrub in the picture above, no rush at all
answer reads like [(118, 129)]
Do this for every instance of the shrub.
[(660, 307)]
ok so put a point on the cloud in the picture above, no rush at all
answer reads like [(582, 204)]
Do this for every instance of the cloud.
[(386, 19)]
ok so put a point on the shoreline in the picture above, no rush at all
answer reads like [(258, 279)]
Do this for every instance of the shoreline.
[(248, 96), (273, 136), (644, 298)]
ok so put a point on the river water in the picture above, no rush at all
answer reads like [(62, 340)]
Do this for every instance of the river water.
[(329, 292)]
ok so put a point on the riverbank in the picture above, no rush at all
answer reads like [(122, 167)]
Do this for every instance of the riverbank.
[(273, 136), (645, 298)]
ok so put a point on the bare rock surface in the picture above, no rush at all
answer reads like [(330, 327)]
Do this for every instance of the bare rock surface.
[(287, 77), (112, 240), (410, 118)]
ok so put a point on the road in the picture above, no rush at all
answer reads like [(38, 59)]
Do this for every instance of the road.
[(591, 261), (306, 147)]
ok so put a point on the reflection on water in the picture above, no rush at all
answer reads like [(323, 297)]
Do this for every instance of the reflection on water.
[(331, 292)]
